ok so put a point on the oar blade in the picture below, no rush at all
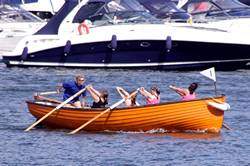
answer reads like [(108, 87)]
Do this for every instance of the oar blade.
[(55, 109)]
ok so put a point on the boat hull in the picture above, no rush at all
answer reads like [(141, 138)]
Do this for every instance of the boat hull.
[(192, 115), (139, 54)]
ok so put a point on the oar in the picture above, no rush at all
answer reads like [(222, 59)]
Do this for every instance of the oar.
[(48, 93), (55, 109), (105, 111), (226, 126), (42, 98)]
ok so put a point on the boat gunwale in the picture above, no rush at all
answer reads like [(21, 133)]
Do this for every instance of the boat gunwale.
[(89, 109)]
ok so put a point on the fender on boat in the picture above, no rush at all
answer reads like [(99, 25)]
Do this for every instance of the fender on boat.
[(220, 106), (168, 43), (67, 48), (24, 54), (114, 42)]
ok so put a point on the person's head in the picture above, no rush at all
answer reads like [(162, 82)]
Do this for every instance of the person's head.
[(104, 95), (80, 79), (133, 98), (192, 87), (155, 91)]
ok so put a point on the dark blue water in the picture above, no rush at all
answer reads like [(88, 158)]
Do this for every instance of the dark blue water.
[(41, 146)]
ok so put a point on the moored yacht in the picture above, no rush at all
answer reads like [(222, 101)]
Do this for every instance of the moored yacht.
[(44, 9), (15, 23), (122, 34)]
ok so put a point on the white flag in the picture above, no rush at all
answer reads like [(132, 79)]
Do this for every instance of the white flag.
[(210, 73)]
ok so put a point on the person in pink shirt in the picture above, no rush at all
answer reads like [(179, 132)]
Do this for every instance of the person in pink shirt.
[(186, 94), (152, 96)]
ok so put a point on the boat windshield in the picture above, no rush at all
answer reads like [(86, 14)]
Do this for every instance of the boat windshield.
[(165, 9), (217, 8), (230, 4), (114, 12), (13, 13), (161, 5)]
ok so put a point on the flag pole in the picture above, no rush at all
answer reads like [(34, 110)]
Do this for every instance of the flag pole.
[(215, 88)]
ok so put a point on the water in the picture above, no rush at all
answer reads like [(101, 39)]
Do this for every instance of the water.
[(42, 146)]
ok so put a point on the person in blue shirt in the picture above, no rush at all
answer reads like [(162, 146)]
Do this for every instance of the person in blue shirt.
[(71, 88)]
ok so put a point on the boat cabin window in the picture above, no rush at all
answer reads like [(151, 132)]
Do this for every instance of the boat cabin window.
[(207, 9), (164, 9), (88, 11), (161, 5), (230, 4)]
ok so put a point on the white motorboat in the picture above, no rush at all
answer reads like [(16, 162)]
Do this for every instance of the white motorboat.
[(15, 23), (122, 34)]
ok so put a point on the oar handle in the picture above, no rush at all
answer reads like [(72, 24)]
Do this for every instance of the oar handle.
[(42, 98), (48, 93), (58, 107)]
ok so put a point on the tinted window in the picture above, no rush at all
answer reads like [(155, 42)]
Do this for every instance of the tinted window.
[(87, 10)]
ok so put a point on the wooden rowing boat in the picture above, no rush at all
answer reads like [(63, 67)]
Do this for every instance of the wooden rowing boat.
[(194, 115)]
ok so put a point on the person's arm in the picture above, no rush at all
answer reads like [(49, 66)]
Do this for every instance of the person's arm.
[(59, 87), (180, 91), (145, 93), (122, 92), (124, 95), (94, 93)]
